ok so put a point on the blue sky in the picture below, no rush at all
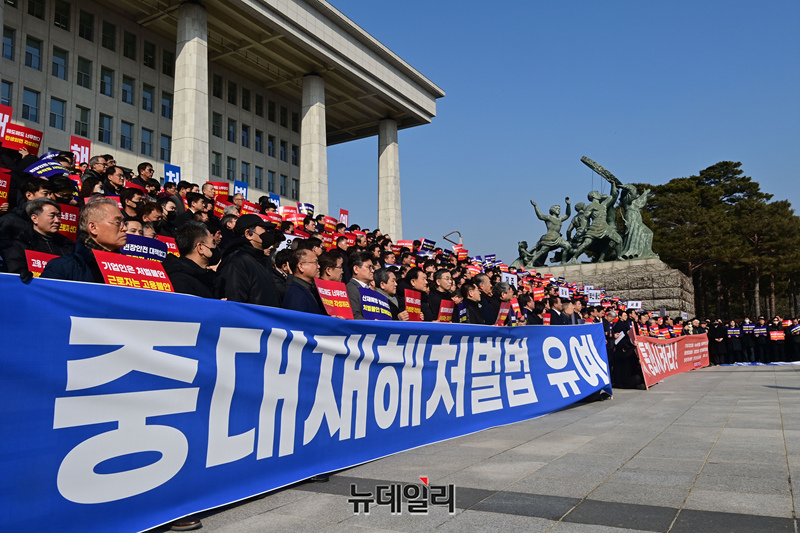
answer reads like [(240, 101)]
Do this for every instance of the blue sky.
[(650, 90)]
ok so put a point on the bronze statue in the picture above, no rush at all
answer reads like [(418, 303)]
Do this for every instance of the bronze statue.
[(551, 240), (638, 240), (525, 256)]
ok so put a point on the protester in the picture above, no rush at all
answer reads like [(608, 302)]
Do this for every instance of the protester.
[(41, 236), (386, 284), (302, 295), (362, 274), (192, 272)]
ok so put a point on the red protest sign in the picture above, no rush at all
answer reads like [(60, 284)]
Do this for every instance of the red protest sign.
[(128, 271), (250, 207), (285, 210), (505, 307), (17, 137), (351, 239), (516, 309), (546, 319), (446, 311), (327, 241), (275, 218), (334, 297), (538, 293), (414, 305), (344, 216), (777, 336), (302, 234), (5, 183), (220, 203), (330, 224), (170, 242), (405, 243), (221, 188), (295, 218), (81, 148), (69, 221), (37, 261), (5, 119)]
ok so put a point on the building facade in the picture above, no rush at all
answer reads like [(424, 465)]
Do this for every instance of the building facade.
[(227, 90)]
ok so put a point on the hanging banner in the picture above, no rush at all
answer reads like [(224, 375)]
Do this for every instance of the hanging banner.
[(661, 358), (137, 422)]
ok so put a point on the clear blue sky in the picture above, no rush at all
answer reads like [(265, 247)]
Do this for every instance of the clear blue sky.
[(650, 90)]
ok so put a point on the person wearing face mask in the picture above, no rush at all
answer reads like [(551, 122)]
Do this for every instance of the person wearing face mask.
[(777, 338), (193, 272), (166, 226), (245, 272), (132, 199), (748, 341)]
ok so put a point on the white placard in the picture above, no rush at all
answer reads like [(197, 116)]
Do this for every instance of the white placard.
[(594, 296), (634, 304), (563, 292), (509, 278)]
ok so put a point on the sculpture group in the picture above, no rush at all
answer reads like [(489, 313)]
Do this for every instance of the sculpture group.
[(594, 226)]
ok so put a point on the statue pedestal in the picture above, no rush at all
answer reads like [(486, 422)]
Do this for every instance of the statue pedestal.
[(648, 280)]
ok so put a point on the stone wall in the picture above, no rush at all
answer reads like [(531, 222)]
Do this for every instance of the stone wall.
[(649, 280)]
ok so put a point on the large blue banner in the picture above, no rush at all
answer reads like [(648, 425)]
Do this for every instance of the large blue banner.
[(132, 407)]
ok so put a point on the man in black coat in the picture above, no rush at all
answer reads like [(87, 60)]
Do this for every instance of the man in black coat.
[(41, 236), (17, 220), (302, 295), (244, 275), (190, 273)]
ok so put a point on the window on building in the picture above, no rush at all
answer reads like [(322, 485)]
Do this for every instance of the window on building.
[(129, 45), (148, 95), (231, 130), (245, 99), (58, 108), (104, 129), (109, 36), (166, 105), (84, 72), (216, 164), (36, 8), (61, 16), (30, 105), (168, 63), (126, 136), (283, 185), (233, 91), (147, 142), (216, 125), (81, 121), (86, 25), (5, 95), (295, 121), (166, 148), (60, 60), (258, 178), (245, 177), (149, 54), (284, 117), (33, 53), (284, 150), (295, 189), (271, 146), (128, 85), (231, 170), (271, 111), (216, 86), (259, 105), (270, 181), (295, 155), (245, 135), (106, 81), (259, 141), (9, 36)]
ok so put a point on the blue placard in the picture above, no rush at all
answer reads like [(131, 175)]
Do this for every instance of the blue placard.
[(275, 199), (47, 167), (144, 247), (141, 406), (306, 209), (172, 173), (748, 328), (374, 306), (240, 187), (462, 312)]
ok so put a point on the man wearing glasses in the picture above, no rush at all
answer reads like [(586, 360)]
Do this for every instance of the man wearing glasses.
[(363, 272), (146, 172), (97, 168), (302, 295), (100, 227)]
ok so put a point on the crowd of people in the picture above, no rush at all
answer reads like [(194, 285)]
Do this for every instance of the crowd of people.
[(244, 257)]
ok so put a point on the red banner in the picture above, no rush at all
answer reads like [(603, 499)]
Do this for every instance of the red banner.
[(330, 224), (17, 137), (170, 242), (69, 221), (414, 305), (285, 210), (37, 261), (505, 308), (81, 148), (127, 271), (221, 188), (5, 181), (334, 297), (344, 216), (220, 203), (446, 311), (250, 207), (666, 357)]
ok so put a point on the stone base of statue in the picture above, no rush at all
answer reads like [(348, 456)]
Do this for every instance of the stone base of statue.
[(649, 280)]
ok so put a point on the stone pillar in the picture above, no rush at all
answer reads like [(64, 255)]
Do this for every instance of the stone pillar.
[(190, 119), (2, 5), (314, 146), (390, 218)]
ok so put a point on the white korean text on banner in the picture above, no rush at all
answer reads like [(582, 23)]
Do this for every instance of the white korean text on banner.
[(113, 419)]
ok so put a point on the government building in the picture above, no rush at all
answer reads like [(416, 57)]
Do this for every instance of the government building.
[(249, 90)]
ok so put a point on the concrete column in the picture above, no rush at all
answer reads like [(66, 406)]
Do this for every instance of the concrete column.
[(2, 5), (190, 119), (390, 218), (314, 146)]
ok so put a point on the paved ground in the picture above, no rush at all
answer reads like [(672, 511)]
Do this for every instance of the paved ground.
[(713, 450)]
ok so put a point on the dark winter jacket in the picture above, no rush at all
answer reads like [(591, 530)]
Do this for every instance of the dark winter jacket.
[(30, 239), (244, 275), (188, 277)]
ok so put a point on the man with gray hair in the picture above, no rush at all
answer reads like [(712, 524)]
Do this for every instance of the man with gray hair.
[(100, 227), (40, 236)]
